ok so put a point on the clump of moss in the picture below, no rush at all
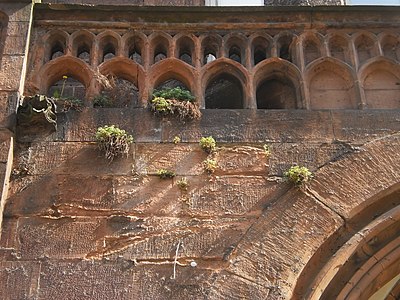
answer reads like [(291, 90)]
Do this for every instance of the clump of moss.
[(183, 184), (175, 101), (298, 175), (267, 150), (102, 100), (210, 165), (176, 93), (113, 141), (208, 144), (165, 174), (176, 140)]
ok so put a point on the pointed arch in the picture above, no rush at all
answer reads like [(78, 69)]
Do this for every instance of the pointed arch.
[(331, 85), (133, 46), (173, 68), (124, 68), (364, 253), (109, 45), (63, 66), (284, 44), (185, 48), (380, 80), (235, 47), (261, 46), (365, 44), (234, 75), (339, 47), (277, 84), (128, 81), (160, 47), (390, 45), (312, 43), (82, 45), (211, 46), (55, 42)]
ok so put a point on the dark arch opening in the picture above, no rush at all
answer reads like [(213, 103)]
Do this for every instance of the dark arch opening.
[(261, 50), (160, 53), (186, 57), (284, 47), (108, 52), (57, 50), (259, 55), (67, 88), (276, 93), (185, 50), (225, 92), (235, 54), (135, 54), (84, 53), (122, 93)]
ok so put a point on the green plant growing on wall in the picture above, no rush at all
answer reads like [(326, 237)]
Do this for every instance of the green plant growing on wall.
[(267, 150), (176, 93), (113, 141), (165, 174), (298, 175), (208, 144), (176, 140), (178, 101), (183, 184), (210, 165), (161, 106), (102, 100)]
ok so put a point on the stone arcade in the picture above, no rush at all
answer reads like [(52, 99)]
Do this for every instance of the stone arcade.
[(319, 85)]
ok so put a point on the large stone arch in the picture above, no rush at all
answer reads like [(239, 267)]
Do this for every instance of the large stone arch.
[(329, 228), (331, 85), (379, 81), (279, 69), (367, 198)]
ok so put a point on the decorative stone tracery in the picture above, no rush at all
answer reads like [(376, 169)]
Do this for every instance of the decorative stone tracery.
[(327, 67)]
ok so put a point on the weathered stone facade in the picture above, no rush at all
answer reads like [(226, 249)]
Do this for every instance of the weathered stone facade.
[(319, 86)]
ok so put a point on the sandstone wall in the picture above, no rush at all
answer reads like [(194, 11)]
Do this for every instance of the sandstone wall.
[(77, 226), (14, 30)]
